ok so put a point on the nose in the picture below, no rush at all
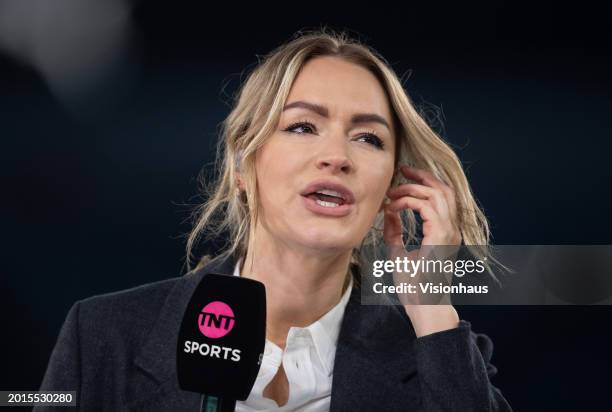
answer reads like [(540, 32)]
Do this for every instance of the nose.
[(335, 159), (335, 164)]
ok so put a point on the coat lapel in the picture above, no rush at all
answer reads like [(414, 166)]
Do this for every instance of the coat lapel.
[(158, 389), (374, 357)]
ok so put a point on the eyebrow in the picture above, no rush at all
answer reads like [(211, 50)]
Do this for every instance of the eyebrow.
[(322, 111)]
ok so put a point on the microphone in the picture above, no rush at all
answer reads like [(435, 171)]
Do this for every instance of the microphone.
[(221, 340)]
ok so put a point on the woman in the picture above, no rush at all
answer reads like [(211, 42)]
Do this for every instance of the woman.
[(311, 157)]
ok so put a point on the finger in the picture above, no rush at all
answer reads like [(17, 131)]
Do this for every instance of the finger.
[(410, 189), (422, 176), (425, 177), (435, 196), (424, 208), (428, 178), (393, 230)]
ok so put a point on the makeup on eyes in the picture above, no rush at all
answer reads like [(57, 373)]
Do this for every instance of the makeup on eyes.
[(374, 140)]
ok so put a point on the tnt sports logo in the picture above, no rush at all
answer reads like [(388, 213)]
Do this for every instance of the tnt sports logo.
[(216, 320)]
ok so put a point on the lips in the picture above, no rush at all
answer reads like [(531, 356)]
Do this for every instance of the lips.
[(327, 198), (329, 191)]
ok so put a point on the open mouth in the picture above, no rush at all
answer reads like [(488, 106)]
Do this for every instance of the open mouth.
[(327, 198)]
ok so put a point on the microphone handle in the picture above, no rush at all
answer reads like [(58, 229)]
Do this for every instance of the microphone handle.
[(227, 405), (215, 404)]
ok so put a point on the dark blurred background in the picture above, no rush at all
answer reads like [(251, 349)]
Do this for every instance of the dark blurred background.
[(109, 109)]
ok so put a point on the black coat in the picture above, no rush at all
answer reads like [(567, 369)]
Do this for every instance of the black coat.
[(118, 351)]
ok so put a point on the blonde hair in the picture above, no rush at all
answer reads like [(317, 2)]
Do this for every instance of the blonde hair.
[(255, 115)]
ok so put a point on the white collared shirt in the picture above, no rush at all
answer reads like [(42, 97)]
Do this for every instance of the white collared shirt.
[(308, 361)]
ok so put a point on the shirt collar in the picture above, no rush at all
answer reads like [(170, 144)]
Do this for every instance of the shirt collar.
[(325, 331)]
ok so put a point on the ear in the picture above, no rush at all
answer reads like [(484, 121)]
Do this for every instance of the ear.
[(382, 204), (240, 181), (238, 164)]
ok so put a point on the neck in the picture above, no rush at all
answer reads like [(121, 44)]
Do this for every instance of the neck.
[(301, 285)]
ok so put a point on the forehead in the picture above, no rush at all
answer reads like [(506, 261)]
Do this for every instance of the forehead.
[(341, 86)]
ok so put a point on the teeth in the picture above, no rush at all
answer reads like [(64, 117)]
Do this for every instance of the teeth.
[(326, 204), (330, 193)]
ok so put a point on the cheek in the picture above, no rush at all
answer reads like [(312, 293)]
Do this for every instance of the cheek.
[(275, 167), (377, 181)]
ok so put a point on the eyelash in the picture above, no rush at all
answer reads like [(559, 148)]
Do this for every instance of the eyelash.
[(376, 141)]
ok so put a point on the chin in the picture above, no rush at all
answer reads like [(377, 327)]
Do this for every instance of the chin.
[(325, 239)]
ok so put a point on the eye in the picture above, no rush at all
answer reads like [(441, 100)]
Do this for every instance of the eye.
[(372, 139), (301, 127)]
